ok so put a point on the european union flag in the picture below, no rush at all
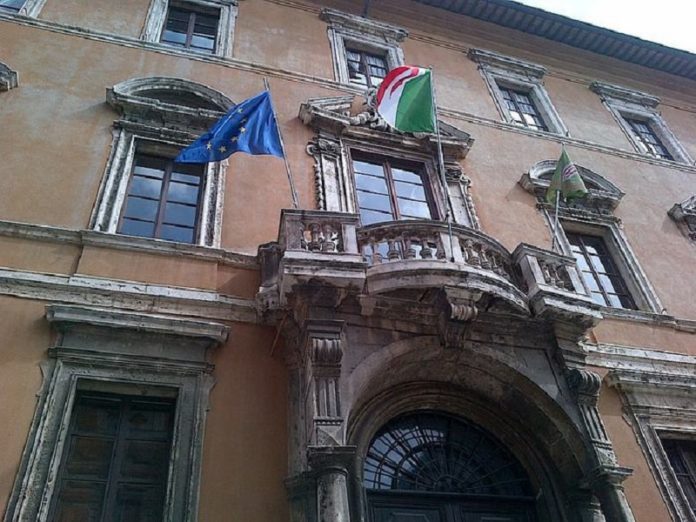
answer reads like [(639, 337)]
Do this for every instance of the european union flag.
[(248, 127)]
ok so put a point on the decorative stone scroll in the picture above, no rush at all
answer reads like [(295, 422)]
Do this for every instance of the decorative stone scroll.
[(8, 78), (684, 214)]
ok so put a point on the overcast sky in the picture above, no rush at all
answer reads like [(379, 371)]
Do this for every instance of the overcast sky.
[(669, 22)]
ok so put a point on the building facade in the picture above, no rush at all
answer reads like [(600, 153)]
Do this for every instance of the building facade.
[(182, 342)]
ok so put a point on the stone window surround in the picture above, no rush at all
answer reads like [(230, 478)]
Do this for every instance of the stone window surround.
[(594, 216), (368, 133), (624, 103), (660, 404), (347, 30), (8, 78), (140, 126), (110, 350), (31, 8), (157, 16), (499, 70)]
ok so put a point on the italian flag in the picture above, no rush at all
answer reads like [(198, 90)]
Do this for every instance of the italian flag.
[(405, 99), (566, 180)]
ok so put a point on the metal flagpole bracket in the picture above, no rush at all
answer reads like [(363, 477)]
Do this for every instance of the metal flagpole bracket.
[(293, 192)]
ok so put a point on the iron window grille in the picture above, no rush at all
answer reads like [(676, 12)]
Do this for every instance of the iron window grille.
[(117, 459), (365, 68), (647, 140), (600, 272), (191, 27), (522, 110), (163, 199)]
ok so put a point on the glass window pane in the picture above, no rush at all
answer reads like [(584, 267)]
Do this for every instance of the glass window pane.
[(414, 209), (89, 457), (202, 42), (172, 37), (182, 193), (409, 190), (131, 227), (15, 5), (172, 233), (375, 169), (147, 187), (368, 217), (80, 500), (145, 460), (177, 214), (371, 183), (406, 175), (139, 503), (374, 201), (145, 209), (185, 178)]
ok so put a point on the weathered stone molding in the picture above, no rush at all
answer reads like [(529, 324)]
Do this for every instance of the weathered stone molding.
[(126, 295), (119, 351), (350, 30), (274, 72), (657, 404), (8, 78), (65, 317), (684, 214), (147, 245), (622, 102), (224, 40), (505, 71), (603, 196), (639, 360)]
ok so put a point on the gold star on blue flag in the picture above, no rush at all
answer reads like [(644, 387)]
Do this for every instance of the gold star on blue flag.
[(249, 127)]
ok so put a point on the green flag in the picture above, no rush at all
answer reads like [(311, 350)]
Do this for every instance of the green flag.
[(566, 179)]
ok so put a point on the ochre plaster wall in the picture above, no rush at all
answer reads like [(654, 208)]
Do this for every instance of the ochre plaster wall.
[(24, 340), (641, 490), (38, 256), (124, 17), (245, 450)]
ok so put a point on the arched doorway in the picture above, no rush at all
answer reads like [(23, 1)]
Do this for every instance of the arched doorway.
[(434, 467)]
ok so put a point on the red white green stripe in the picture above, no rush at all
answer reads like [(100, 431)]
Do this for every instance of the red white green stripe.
[(405, 99)]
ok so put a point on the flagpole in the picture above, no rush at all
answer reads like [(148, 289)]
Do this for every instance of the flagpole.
[(555, 222), (293, 192), (441, 164)]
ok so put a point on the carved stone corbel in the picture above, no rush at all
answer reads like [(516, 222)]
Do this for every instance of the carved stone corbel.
[(323, 355), (458, 312)]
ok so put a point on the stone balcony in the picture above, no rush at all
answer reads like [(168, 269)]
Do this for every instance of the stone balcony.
[(404, 259)]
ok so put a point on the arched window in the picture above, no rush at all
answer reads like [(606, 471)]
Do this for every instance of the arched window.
[(434, 467), (145, 194)]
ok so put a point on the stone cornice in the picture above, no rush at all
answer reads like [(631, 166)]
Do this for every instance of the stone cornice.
[(291, 75), (616, 92), (359, 24), (118, 242), (126, 295), (66, 316), (638, 359), (487, 58)]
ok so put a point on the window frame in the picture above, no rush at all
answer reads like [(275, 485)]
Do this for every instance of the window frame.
[(30, 8), (151, 125), (352, 31), (624, 104), (114, 350), (156, 21), (504, 72), (659, 403), (427, 175), (164, 195)]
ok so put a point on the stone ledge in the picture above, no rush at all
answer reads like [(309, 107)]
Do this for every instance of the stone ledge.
[(65, 316)]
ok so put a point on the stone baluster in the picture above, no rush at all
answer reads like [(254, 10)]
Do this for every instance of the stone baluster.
[(328, 243), (485, 261), (314, 242), (471, 256), (392, 249), (426, 251), (410, 250)]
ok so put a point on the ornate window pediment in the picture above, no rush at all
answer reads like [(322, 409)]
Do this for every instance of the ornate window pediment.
[(342, 126), (684, 213), (158, 117), (603, 196), (8, 78), (170, 102)]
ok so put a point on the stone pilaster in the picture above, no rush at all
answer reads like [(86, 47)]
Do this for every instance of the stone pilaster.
[(331, 467)]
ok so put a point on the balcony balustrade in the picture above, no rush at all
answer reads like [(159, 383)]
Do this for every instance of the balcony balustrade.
[(318, 247)]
